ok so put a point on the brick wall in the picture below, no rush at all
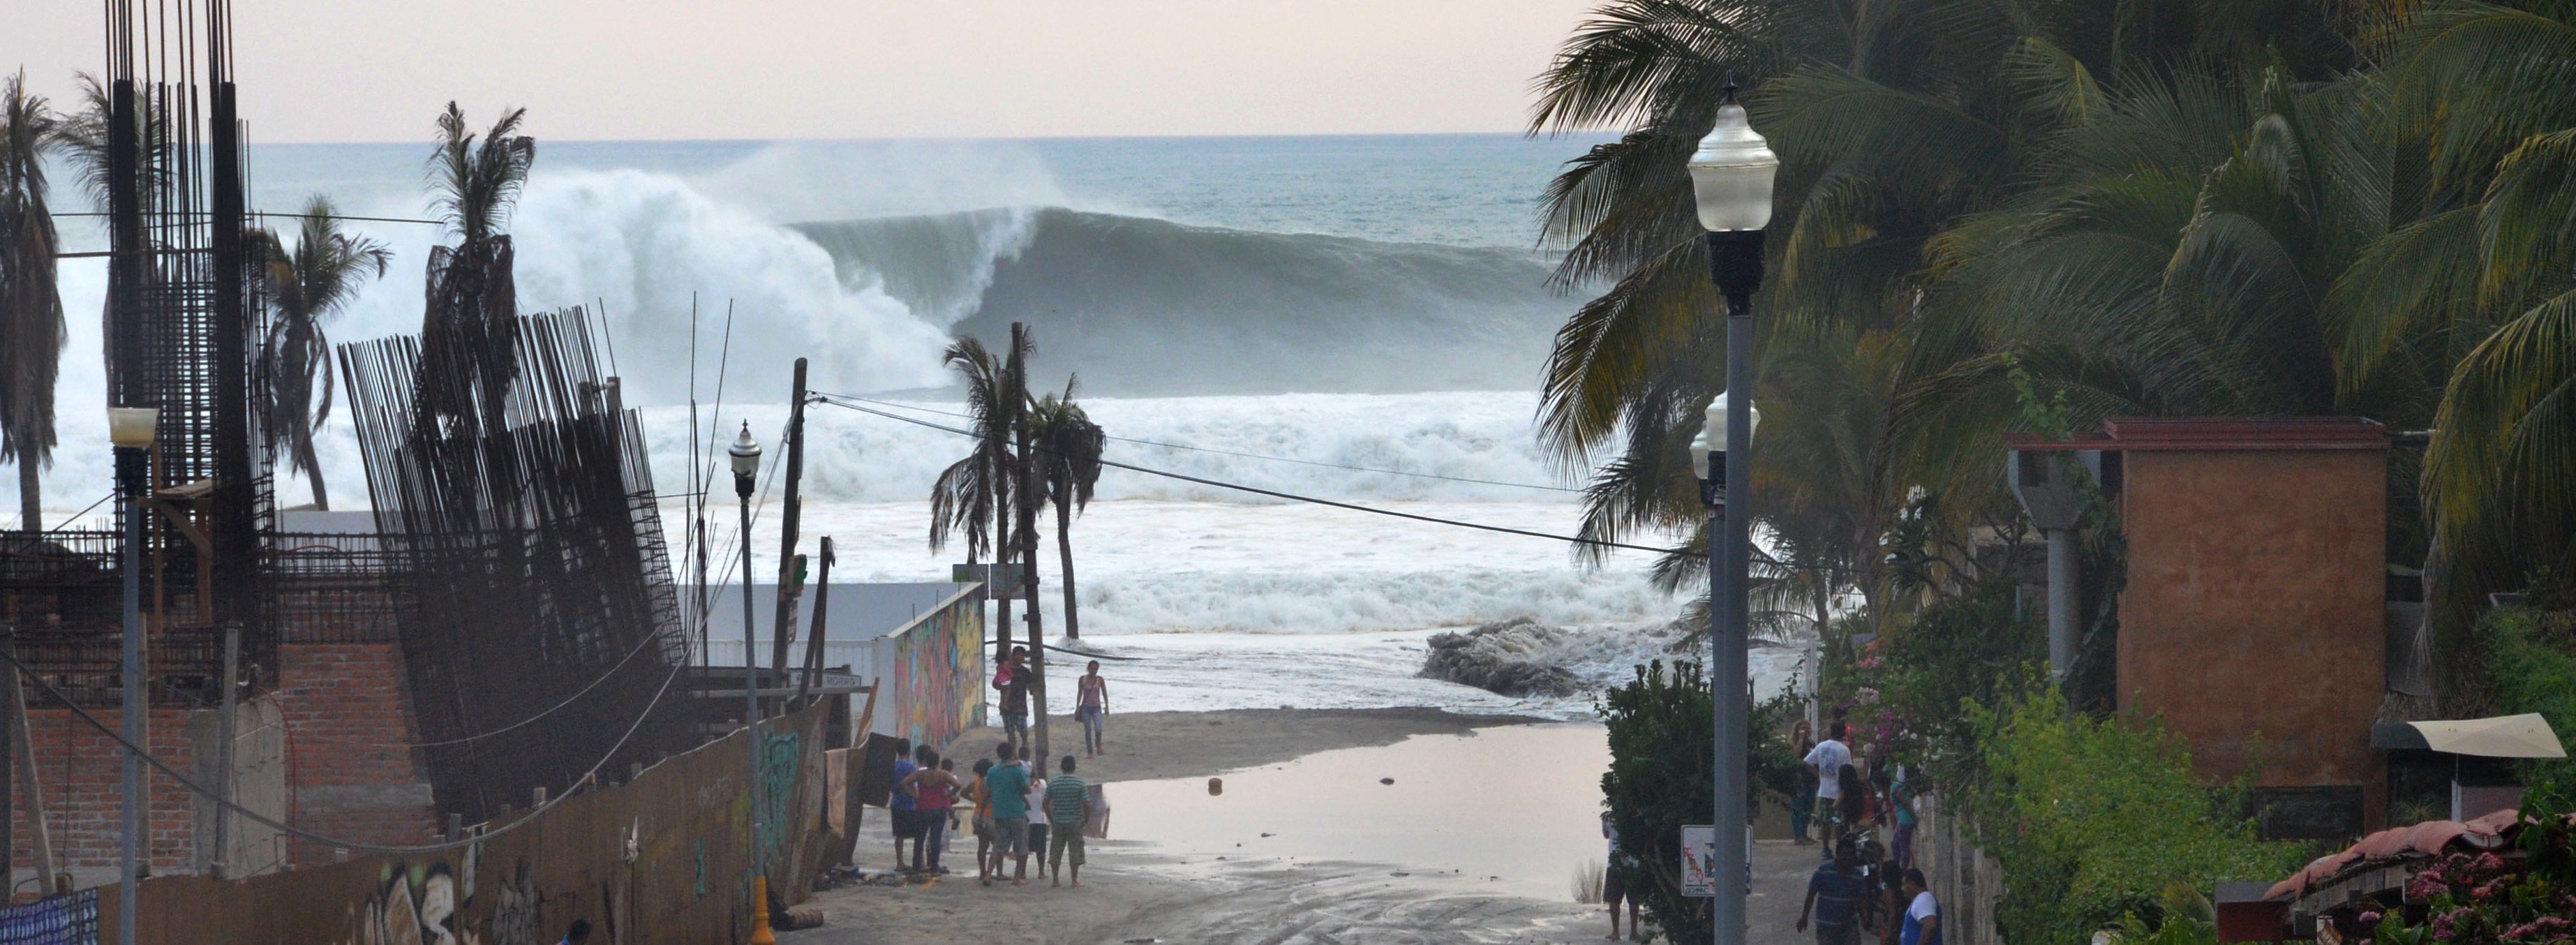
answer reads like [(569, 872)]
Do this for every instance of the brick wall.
[(348, 716), (82, 769)]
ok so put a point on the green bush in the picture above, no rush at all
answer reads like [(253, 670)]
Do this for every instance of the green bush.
[(1662, 776), (2531, 670), (2092, 818)]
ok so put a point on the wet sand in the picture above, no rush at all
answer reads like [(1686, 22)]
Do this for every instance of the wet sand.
[(1306, 884)]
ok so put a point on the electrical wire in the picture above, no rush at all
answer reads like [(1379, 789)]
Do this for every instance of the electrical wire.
[(1293, 497), (1206, 449)]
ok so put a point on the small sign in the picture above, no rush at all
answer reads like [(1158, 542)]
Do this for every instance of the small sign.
[(1699, 860)]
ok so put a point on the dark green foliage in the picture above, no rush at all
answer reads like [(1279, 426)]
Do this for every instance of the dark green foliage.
[(1662, 757), (2531, 665)]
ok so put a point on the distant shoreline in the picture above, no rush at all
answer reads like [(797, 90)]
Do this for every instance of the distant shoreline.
[(1148, 746)]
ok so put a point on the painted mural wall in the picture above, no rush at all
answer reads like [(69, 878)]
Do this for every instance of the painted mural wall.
[(939, 674), (662, 859)]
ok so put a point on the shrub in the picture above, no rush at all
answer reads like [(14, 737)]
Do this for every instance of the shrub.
[(2091, 818), (2531, 670), (1662, 776)]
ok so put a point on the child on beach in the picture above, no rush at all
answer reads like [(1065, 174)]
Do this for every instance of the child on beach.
[(1013, 680), (1037, 812), (1068, 804), (983, 820), (956, 792)]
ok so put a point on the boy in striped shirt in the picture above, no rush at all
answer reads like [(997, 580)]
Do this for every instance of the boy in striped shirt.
[(1067, 812)]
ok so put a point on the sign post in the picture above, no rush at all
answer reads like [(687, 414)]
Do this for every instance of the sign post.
[(1699, 860)]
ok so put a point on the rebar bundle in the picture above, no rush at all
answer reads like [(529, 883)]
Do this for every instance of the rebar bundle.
[(532, 557)]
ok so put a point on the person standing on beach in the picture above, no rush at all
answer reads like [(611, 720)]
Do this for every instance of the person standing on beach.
[(1091, 702), (1037, 811), (1008, 785), (1067, 802), (1834, 895), (1828, 759), (898, 803), (933, 792), (1013, 680), (983, 800)]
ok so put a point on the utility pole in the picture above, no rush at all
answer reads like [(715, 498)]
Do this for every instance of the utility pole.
[(790, 583)]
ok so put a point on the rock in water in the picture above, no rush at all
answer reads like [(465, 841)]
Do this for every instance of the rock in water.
[(1514, 658)]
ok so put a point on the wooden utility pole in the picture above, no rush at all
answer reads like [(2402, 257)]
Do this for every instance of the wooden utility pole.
[(789, 586), (814, 640)]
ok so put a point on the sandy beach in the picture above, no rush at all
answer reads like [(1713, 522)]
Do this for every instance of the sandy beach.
[(1420, 877)]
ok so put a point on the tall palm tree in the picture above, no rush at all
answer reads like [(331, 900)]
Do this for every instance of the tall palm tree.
[(972, 497), (32, 332), (469, 331), (305, 287), (1068, 447)]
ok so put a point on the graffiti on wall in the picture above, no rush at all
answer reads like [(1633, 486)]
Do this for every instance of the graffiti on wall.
[(939, 675), (782, 759), (417, 904)]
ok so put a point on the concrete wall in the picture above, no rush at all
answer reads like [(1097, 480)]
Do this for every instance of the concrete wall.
[(2252, 617)]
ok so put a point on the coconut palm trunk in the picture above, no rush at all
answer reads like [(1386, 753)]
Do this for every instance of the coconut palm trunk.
[(32, 333), (1068, 447)]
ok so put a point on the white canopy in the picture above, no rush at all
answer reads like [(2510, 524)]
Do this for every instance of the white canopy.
[(2509, 736)]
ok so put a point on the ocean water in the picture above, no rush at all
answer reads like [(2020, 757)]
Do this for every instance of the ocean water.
[(1370, 302)]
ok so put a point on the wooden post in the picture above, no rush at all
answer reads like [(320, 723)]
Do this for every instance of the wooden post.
[(16, 696), (814, 639), (788, 514)]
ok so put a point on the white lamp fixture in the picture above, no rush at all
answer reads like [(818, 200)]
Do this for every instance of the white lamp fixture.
[(132, 427), (745, 453), (1731, 173), (1712, 434)]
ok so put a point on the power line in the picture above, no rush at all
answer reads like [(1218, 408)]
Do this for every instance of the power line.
[(1206, 449), (1273, 493)]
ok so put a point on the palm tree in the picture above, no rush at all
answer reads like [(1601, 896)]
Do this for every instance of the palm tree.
[(304, 288), (32, 332), (1068, 447), (971, 497), (469, 332)]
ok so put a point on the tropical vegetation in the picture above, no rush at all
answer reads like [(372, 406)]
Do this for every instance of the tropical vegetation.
[(32, 332), (469, 331), (1066, 449), (2107, 207), (304, 287)]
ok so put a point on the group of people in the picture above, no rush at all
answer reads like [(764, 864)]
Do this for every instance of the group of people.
[(1090, 700), (1856, 888), (1016, 810)]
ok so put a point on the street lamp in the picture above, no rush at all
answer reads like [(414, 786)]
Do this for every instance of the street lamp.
[(746, 464), (130, 430), (1731, 178)]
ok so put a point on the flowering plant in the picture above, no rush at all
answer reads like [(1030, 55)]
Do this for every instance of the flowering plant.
[(2480, 899)]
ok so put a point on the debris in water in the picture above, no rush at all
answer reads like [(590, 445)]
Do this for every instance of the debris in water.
[(1270, 835), (1216, 786), (1386, 780), (1399, 874)]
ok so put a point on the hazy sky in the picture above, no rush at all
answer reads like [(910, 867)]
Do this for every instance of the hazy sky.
[(644, 69)]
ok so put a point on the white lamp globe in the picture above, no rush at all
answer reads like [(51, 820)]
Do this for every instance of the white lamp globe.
[(1731, 174)]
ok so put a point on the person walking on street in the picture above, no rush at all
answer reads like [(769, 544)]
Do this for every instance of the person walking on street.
[(1066, 803), (1013, 680), (1834, 895), (1008, 784), (899, 804), (1614, 884), (1091, 702), (1802, 808), (1900, 801), (933, 791), (1828, 759), (1923, 917)]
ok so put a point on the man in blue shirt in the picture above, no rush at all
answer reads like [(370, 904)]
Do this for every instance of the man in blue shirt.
[(1007, 787), (1923, 917), (1833, 897), (899, 804)]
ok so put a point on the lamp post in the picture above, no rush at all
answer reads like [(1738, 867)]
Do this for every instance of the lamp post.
[(1731, 177), (130, 430), (746, 463)]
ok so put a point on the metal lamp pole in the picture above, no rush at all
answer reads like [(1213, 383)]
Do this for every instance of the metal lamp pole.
[(130, 430), (746, 462), (1731, 177)]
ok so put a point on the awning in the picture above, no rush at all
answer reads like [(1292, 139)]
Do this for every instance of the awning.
[(2510, 736)]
